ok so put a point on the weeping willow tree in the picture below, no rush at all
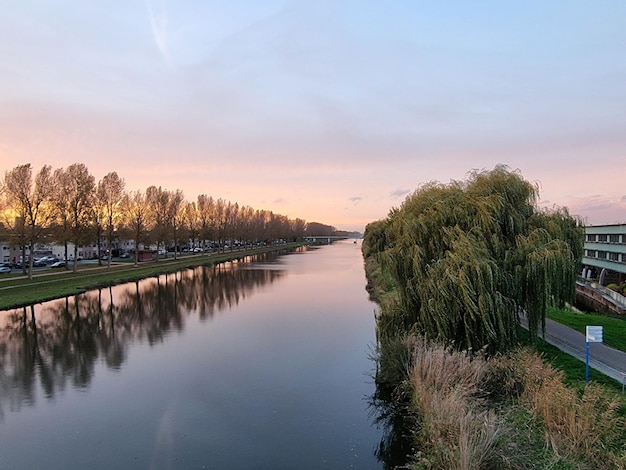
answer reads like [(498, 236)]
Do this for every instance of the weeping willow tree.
[(468, 257)]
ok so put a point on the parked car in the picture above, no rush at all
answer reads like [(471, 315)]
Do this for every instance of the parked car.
[(58, 264), (125, 255), (5, 269), (38, 263)]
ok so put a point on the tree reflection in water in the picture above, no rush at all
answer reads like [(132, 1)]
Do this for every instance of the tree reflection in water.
[(51, 345), (390, 414)]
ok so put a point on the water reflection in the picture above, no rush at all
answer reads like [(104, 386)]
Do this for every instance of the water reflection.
[(395, 447), (57, 344)]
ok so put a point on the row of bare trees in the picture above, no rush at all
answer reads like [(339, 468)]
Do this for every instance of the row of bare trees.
[(67, 206)]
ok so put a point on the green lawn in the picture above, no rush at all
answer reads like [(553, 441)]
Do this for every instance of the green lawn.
[(613, 326), (16, 290)]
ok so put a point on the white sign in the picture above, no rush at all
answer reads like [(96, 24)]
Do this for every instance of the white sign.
[(594, 334)]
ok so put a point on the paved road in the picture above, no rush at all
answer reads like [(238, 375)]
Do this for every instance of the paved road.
[(609, 361)]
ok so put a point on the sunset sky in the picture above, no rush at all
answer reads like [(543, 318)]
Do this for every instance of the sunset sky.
[(332, 111)]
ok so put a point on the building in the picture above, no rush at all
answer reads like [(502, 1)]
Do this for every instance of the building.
[(604, 263), (604, 258)]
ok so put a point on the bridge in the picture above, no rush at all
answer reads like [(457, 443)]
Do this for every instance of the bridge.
[(324, 238)]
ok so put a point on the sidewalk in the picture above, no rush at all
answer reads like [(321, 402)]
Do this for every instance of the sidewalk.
[(611, 362)]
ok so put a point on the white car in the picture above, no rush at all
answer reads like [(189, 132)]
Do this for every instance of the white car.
[(5, 270)]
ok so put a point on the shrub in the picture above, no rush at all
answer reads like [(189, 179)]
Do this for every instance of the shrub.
[(587, 424)]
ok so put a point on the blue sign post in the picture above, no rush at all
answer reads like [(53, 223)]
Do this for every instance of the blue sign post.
[(593, 335)]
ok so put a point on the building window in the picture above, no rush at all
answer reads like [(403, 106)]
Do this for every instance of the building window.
[(613, 256), (614, 238), (591, 253), (602, 237), (601, 254), (591, 237)]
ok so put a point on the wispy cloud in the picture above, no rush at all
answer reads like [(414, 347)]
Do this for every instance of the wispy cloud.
[(599, 209), (355, 199), (398, 193), (157, 14)]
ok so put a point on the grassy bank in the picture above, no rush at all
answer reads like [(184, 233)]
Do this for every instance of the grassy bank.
[(614, 326), (18, 290), (528, 408)]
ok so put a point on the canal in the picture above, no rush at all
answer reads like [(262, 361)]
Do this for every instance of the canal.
[(261, 363)]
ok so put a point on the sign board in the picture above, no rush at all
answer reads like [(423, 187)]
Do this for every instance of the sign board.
[(594, 334)]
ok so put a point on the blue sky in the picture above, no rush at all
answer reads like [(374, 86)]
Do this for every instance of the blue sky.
[(332, 111)]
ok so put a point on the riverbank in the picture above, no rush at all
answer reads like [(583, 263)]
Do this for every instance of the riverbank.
[(18, 291), (467, 410)]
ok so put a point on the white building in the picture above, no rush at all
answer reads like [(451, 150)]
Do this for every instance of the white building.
[(605, 253)]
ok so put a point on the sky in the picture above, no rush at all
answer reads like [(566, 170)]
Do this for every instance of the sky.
[(330, 110)]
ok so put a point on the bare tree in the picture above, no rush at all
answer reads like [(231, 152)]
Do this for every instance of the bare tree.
[(191, 221), (135, 217), (109, 194), (176, 216), (206, 209), (218, 221), (298, 228), (246, 227), (60, 201), (81, 188), (158, 201), (231, 220), (30, 203), (13, 227)]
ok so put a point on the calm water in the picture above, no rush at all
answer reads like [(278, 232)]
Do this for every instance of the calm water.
[(254, 364)]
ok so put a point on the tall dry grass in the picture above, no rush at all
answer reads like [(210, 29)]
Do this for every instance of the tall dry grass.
[(453, 396), (585, 424), (456, 431)]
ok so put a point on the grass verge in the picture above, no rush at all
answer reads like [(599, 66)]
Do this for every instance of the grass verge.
[(614, 326), (17, 291)]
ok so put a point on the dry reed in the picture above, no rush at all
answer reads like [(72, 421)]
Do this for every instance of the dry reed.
[(456, 431), (584, 424)]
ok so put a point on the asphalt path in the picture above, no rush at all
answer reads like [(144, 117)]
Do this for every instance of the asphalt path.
[(611, 362)]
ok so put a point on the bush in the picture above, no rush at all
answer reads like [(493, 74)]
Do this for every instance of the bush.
[(613, 287), (460, 430), (587, 425)]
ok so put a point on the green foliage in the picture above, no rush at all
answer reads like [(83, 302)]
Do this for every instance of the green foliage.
[(468, 256), (374, 239)]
